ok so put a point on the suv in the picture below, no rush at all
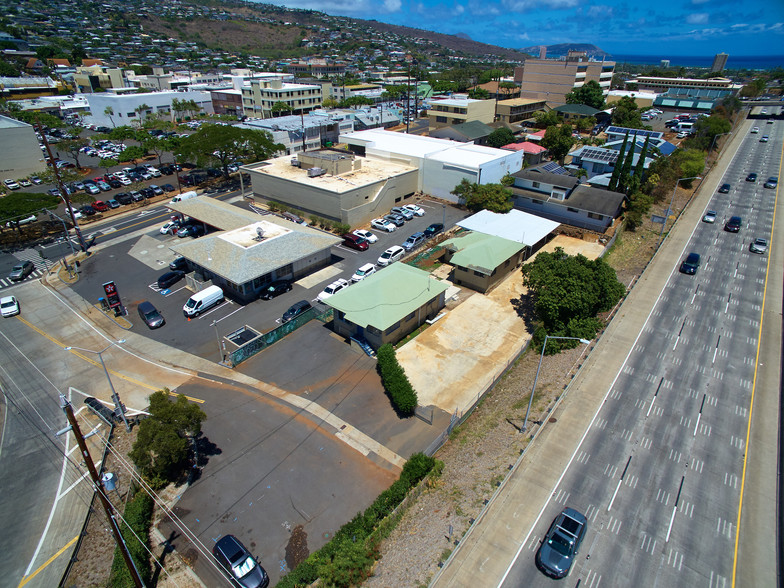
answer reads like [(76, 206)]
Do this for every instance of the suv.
[(363, 272), (239, 563), (395, 219), (404, 212), (433, 230), (733, 225), (21, 270), (561, 544), (354, 242), (413, 241), (391, 255), (295, 310)]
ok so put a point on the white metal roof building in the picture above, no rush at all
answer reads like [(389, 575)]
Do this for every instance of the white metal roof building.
[(442, 164), (514, 225)]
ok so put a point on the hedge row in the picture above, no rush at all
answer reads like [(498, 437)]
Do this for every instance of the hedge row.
[(348, 558), (315, 220), (137, 515), (396, 383)]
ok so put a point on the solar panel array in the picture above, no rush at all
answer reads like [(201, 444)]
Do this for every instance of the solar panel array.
[(553, 168), (632, 132), (605, 155)]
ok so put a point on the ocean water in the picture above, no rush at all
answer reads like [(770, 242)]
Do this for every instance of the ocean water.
[(733, 62)]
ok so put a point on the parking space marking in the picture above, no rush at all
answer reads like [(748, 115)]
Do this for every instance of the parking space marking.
[(227, 302)]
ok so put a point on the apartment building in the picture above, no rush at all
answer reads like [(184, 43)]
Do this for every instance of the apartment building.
[(260, 96), (516, 110), (459, 109), (552, 79), (98, 77)]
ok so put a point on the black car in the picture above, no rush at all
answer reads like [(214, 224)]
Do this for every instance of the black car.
[(136, 196), (168, 279), (179, 264), (123, 198), (150, 315), (147, 192), (87, 210), (433, 230), (295, 310), (275, 288), (239, 563), (733, 225), (168, 188), (115, 184), (21, 270), (691, 264), (725, 188), (752, 177)]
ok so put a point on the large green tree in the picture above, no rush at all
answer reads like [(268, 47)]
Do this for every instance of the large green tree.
[(590, 94), (500, 137), (568, 293), (161, 447), (558, 141), (626, 114), (223, 144), (18, 205), (706, 129), (476, 197)]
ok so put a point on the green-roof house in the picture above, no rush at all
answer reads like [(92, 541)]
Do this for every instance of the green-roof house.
[(387, 306), (481, 260)]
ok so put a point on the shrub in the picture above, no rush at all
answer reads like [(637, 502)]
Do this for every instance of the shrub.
[(396, 384), (342, 228), (137, 516)]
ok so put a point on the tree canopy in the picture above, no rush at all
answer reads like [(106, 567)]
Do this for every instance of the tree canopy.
[(568, 293), (161, 447), (223, 144), (476, 197), (706, 129), (18, 205), (500, 137), (558, 141), (626, 114), (590, 94)]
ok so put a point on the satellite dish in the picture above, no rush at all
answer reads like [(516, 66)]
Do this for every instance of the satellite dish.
[(259, 233)]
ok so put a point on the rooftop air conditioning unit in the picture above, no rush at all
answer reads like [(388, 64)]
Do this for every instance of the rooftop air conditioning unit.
[(316, 171)]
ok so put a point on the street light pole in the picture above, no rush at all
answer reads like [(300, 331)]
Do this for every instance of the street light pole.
[(716, 137), (672, 200), (536, 378), (118, 407)]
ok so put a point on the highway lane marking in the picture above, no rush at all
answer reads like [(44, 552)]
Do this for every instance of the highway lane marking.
[(27, 578), (97, 364)]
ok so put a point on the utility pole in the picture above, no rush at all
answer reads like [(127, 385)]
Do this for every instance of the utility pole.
[(98, 487)]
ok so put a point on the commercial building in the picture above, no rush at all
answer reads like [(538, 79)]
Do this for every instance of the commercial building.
[(261, 95), (656, 84), (19, 146), (459, 109), (442, 164), (517, 110), (552, 79), (126, 106), (304, 133), (249, 251), (387, 306), (98, 77), (337, 186), (719, 62)]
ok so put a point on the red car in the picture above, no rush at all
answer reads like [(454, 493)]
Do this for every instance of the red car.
[(355, 242), (100, 206)]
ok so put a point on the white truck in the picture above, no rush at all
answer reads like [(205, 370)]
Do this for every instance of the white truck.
[(184, 196)]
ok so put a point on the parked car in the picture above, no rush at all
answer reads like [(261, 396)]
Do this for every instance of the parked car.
[(11, 184), (113, 203), (150, 315), (404, 212), (179, 264), (157, 190), (147, 193), (295, 310), (115, 184), (333, 288), (433, 230), (191, 231), (561, 543), (275, 288), (123, 198), (91, 188), (725, 188), (772, 182), (100, 206), (759, 245), (168, 188), (36, 180), (9, 306), (383, 225), (366, 235), (691, 264), (395, 219), (170, 228), (391, 255), (87, 210), (239, 563), (413, 241), (354, 242), (136, 196), (415, 209), (25, 183), (104, 186), (710, 217), (21, 270), (363, 272), (168, 279), (733, 225)]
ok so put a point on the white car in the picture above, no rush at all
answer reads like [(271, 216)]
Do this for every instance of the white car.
[(755, 129), (170, 228), (25, 183), (363, 272), (391, 255), (9, 306), (333, 289), (415, 209), (124, 180), (382, 225), (366, 235), (11, 184)]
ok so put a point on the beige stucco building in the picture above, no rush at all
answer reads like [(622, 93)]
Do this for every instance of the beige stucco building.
[(515, 110), (333, 185), (260, 95), (553, 79), (459, 109), (21, 155)]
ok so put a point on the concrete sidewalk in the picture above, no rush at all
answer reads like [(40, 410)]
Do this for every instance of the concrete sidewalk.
[(492, 543)]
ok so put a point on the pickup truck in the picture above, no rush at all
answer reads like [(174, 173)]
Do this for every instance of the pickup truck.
[(561, 544)]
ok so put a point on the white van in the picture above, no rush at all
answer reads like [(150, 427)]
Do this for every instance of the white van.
[(685, 127), (183, 196), (203, 300)]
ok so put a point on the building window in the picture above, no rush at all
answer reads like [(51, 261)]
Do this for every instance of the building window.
[(410, 317), (441, 119), (536, 184), (595, 216), (478, 274), (393, 328), (573, 210)]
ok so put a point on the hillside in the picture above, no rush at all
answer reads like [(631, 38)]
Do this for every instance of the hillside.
[(563, 48)]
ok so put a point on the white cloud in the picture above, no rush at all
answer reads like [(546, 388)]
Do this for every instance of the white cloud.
[(459, 9), (529, 5), (600, 11), (392, 5), (697, 18)]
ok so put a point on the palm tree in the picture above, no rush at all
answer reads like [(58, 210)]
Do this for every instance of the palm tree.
[(109, 111), (141, 110)]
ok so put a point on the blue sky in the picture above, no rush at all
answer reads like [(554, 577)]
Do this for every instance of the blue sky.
[(642, 27)]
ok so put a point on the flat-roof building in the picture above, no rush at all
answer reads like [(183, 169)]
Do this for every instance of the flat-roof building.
[(19, 146)]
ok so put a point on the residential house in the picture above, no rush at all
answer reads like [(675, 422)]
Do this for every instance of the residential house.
[(481, 261), (602, 160), (577, 111), (533, 154), (471, 132)]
